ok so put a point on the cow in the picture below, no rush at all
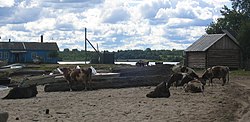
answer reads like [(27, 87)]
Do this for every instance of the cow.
[(194, 86), (161, 91), (78, 75), (22, 92), (142, 63), (183, 69), (216, 72), (179, 79)]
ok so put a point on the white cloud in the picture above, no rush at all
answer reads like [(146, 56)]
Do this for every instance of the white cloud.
[(114, 25), (7, 3), (46, 24), (116, 15)]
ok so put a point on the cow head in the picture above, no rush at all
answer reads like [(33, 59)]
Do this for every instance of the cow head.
[(207, 74)]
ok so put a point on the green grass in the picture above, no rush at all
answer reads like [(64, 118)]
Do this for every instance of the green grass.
[(239, 73)]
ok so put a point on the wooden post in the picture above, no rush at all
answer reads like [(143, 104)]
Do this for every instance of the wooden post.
[(85, 45)]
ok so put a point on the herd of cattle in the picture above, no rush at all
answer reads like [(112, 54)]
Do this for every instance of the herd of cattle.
[(182, 76), (191, 82)]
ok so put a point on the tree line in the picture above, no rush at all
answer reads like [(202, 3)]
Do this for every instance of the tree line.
[(147, 54)]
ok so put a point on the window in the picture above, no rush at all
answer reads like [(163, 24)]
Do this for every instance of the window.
[(6, 55), (1, 55), (33, 55)]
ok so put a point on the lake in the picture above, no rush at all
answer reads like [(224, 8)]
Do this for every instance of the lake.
[(3, 87)]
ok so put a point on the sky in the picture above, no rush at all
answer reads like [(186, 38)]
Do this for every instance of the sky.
[(111, 24)]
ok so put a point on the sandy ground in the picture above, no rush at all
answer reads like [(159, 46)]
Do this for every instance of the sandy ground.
[(220, 103)]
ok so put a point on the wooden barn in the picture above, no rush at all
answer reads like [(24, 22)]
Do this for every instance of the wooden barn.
[(214, 49)]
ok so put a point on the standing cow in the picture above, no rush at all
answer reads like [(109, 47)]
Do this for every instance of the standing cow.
[(78, 75), (216, 72)]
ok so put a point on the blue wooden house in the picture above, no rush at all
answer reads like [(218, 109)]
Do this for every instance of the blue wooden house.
[(26, 52)]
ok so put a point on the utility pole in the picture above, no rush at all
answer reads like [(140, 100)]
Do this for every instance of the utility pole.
[(85, 45)]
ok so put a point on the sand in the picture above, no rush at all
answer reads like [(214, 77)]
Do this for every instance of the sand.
[(220, 103)]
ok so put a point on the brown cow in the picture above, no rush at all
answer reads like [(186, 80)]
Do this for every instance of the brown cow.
[(78, 76), (216, 72)]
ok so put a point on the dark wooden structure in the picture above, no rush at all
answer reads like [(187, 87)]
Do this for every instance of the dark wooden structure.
[(129, 77), (214, 49)]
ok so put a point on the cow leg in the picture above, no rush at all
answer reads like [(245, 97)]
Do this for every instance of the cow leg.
[(70, 86), (85, 85), (210, 81), (89, 85), (176, 84), (224, 81)]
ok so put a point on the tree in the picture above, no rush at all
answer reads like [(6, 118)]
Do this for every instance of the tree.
[(148, 50), (66, 50), (74, 50), (244, 39), (230, 21)]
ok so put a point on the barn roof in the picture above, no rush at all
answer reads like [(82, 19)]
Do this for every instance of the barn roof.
[(206, 41), (29, 46)]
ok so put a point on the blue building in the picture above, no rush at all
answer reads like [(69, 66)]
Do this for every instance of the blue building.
[(26, 52)]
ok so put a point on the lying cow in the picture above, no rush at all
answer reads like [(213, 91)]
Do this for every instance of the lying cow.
[(216, 72), (160, 91), (194, 86), (179, 79), (183, 69), (22, 92), (78, 75)]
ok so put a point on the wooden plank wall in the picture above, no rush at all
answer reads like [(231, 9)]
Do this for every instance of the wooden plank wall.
[(229, 58), (224, 43), (224, 52), (196, 59)]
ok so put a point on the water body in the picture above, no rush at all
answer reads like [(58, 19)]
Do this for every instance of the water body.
[(129, 63), (3, 87)]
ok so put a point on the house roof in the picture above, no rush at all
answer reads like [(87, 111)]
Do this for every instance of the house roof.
[(206, 41), (29, 46)]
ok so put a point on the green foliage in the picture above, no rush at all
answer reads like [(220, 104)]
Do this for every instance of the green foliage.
[(244, 37), (75, 55), (156, 55), (229, 21)]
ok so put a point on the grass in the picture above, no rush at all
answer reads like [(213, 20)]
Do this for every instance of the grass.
[(239, 73)]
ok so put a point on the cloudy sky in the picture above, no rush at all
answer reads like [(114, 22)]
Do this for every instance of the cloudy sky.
[(112, 24)]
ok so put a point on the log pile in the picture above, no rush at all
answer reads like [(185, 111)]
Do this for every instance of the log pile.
[(131, 77)]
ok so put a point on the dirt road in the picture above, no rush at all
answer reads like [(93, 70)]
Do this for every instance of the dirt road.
[(227, 103), (242, 96)]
